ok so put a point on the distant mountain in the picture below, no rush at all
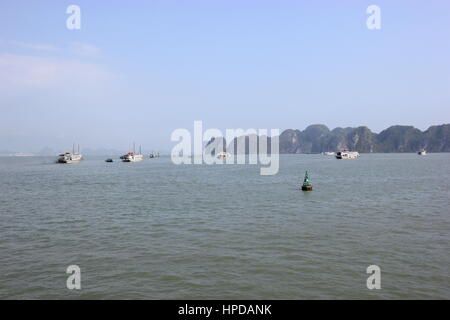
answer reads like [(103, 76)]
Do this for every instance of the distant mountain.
[(47, 151), (101, 152), (437, 138), (6, 152), (318, 138), (239, 145)]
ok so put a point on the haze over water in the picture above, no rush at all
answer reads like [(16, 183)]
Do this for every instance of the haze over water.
[(159, 231)]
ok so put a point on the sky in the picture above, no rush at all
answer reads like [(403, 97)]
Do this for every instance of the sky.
[(138, 70)]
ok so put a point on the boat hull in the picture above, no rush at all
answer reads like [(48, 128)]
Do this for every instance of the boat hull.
[(69, 158), (68, 161), (347, 155), (133, 158)]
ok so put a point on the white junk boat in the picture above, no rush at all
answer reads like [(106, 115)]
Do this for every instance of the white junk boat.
[(422, 152), (70, 157), (347, 155), (133, 156)]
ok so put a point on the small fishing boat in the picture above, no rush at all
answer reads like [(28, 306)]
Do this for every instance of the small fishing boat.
[(109, 160), (422, 152), (306, 186)]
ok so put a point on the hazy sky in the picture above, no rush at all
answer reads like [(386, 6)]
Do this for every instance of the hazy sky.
[(137, 70)]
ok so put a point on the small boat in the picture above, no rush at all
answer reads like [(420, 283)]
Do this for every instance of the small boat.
[(329, 153), (109, 160), (422, 152), (347, 154), (70, 157), (154, 155), (223, 155), (306, 186)]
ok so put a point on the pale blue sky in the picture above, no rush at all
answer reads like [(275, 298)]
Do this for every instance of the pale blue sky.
[(137, 70)]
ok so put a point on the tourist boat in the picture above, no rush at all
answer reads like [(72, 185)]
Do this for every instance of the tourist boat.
[(329, 153), (133, 156), (422, 152), (223, 155), (347, 154), (70, 157)]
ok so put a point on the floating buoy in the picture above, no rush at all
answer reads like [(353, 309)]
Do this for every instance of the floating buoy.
[(306, 186)]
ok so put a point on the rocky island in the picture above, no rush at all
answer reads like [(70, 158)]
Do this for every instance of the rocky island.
[(319, 138)]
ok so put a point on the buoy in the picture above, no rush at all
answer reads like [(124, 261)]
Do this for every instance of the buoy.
[(306, 186)]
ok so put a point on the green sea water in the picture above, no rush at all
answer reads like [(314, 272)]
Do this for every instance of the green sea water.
[(155, 230)]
